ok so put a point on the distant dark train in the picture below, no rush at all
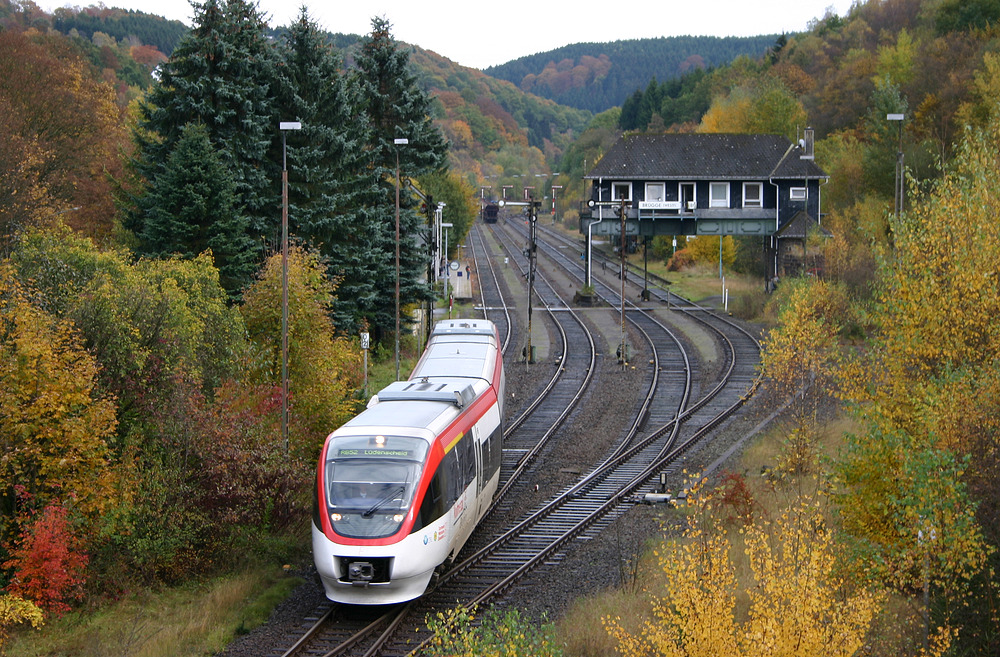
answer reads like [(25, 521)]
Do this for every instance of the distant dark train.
[(490, 212), (401, 486)]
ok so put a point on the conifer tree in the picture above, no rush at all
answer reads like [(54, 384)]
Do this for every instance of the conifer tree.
[(190, 208), (331, 186), (396, 108), (220, 75)]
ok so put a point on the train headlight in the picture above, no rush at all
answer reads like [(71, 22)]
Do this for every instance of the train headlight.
[(336, 517), (398, 517)]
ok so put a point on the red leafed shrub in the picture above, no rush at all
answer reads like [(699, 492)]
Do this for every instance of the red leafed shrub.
[(736, 497), (48, 563)]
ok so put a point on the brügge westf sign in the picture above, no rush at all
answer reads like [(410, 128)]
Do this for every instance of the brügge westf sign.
[(659, 205)]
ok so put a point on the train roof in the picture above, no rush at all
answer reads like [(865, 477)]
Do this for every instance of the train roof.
[(458, 365), (459, 349)]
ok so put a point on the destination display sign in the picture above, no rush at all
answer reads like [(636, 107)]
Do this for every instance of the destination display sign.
[(376, 452)]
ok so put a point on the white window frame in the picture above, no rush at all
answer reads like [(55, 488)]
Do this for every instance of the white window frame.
[(714, 202), (662, 195), (797, 193), (618, 185), (753, 203)]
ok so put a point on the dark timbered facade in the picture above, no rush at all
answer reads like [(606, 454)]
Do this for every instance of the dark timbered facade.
[(707, 184)]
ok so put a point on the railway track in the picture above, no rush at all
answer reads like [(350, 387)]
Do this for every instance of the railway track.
[(659, 436), (525, 437)]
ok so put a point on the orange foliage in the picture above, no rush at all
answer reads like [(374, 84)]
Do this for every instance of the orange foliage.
[(48, 564), (72, 118), (148, 56)]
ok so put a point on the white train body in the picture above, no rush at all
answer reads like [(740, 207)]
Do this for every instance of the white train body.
[(401, 486)]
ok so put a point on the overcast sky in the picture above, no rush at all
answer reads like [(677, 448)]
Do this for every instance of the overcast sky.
[(480, 35)]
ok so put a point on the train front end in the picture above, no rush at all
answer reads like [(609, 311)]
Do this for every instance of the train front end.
[(367, 484)]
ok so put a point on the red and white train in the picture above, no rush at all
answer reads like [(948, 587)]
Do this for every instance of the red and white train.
[(401, 486)]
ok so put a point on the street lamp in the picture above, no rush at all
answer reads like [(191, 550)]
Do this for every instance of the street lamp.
[(398, 142), (898, 192), (447, 272), (284, 127)]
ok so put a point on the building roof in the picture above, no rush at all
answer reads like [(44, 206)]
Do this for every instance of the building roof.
[(798, 227), (648, 156)]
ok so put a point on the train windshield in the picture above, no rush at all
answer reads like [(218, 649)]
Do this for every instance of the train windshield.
[(370, 483)]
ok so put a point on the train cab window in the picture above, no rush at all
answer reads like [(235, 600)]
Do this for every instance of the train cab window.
[(370, 482)]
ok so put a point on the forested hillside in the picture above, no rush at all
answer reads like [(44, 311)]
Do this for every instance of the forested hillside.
[(120, 24), (598, 76)]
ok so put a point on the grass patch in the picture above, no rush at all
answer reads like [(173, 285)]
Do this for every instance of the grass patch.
[(195, 619)]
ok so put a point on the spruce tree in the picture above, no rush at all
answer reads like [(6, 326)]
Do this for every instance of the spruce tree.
[(220, 76), (191, 208), (331, 186), (396, 108)]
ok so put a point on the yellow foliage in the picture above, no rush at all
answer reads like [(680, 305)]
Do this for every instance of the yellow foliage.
[(803, 351), (14, 611), (54, 427), (323, 369), (798, 606), (706, 249), (941, 293)]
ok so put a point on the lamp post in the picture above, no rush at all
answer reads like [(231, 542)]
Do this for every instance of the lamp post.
[(398, 142), (898, 192), (447, 270), (284, 127)]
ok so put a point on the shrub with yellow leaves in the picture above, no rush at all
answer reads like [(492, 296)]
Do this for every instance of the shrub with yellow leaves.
[(796, 604)]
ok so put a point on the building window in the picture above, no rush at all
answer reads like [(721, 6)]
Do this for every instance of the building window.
[(718, 195), (656, 191), (797, 193), (753, 195), (621, 191)]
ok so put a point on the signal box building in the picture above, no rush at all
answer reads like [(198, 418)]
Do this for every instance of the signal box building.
[(710, 184)]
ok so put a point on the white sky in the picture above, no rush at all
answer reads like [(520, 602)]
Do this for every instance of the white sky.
[(481, 35)]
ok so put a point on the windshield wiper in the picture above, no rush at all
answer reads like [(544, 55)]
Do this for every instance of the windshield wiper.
[(382, 501)]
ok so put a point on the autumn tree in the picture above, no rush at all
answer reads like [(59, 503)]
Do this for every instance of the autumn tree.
[(16, 611), (764, 106), (54, 424), (927, 385), (323, 369), (800, 358), (48, 563), (798, 604), (62, 136), (151, 324)]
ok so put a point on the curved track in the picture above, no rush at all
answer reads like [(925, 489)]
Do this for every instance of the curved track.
[(664, 427)]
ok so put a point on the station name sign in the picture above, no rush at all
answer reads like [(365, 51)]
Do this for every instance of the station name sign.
[(659, 205)]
